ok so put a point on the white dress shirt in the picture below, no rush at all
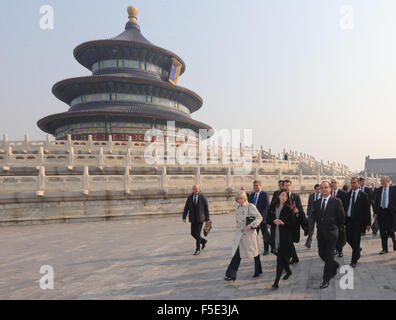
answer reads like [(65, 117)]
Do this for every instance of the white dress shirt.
[(326, 202), (385, 192), (355, 194)]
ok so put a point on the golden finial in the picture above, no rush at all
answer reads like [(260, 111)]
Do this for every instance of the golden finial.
[(132, 14)]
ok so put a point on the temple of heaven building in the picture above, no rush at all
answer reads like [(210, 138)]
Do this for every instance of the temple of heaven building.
[(132, 89)]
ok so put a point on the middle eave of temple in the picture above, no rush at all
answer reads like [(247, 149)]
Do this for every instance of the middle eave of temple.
[(67, 90)]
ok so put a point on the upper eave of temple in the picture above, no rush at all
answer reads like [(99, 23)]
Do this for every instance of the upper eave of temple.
[(130, 44)]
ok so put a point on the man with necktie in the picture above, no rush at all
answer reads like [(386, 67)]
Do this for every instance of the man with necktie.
[(311, 224), (276, 193), (340, 194), (384, 207), (357, 218), (261, 200), (363, 188), (329, 215), (197, 209)]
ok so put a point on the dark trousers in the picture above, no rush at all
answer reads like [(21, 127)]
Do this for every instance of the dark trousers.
[(236, 261), (282, 263), (340, 241), (266, 235), (385, 224), (311, 229), (353, 236), (196, 228), (294, 253), (326, 253)]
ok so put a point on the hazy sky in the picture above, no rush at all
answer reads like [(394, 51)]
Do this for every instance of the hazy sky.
[(284, 68)]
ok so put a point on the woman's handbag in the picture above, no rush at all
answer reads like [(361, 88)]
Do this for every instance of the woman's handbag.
[(208, 227)]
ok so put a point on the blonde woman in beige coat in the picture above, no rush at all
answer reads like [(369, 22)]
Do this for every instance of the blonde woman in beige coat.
[(246, 242)]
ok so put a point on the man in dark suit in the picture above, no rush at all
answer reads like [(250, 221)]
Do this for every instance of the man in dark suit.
[(311, 224), (340, 194), (357, 218), (301, 218), (261, 200), (329, 215), (363, 188), (384, 210), (276, 193), (197, 209)]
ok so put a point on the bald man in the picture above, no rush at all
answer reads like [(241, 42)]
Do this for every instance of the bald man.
[(197, 209), (384, 207)]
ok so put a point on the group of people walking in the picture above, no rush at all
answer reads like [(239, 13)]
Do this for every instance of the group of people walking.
[(340, 217)]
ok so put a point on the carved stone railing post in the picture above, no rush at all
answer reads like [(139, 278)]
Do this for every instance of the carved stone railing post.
[(130, 142), (26, 143), (164, 179), (90, 143), (229, 178), (318, 175), (69, 142), (41, 156), (128, 158), (5, 141), (198, 175), (85, 181), (279, 174), (301, 177), (70, 159), (101, 159), (126, 181), (41, 182), (110, 143), (47, 142)]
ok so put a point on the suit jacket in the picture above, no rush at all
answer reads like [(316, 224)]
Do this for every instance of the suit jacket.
[(341, 194), (311, 200), (301, 218), (360, 212), (199, 212), (331, 220), (262, 203), (286, 232), (392, 199)]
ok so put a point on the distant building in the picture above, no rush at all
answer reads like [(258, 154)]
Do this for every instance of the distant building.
[(381, 166)]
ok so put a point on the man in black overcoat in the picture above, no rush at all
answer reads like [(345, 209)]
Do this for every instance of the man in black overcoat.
[(329, 216), (357, 218), (197, 209)]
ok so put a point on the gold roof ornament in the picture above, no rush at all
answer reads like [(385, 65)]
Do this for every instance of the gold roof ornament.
[(132, 14)]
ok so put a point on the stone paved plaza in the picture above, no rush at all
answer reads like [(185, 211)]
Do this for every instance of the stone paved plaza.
[(152, 259)]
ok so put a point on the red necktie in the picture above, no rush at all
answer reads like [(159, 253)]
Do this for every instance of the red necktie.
[(334, 194)]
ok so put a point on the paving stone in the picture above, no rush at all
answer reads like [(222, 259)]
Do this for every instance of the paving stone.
[(152, 259)]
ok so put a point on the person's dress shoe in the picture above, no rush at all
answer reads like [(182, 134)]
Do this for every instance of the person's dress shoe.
[(265, 252), (226, 278), (275, 286), (383, 252), (197, 252), (324, 284), (308, 245), (293, 261), (257, 274), (287, 276), (340, 254), (353, 264), (203, 245)]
